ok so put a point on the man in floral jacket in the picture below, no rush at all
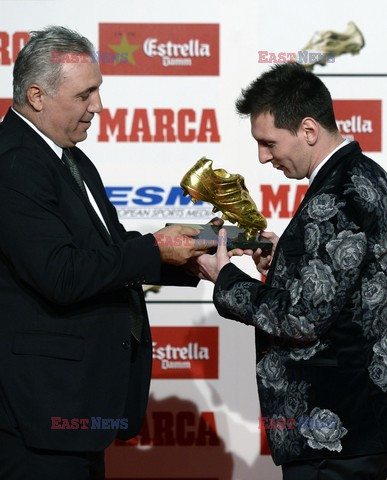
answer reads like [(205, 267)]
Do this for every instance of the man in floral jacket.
[(321, 317)]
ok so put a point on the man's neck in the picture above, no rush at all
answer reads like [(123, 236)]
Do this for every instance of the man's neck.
[(326, 158), (329, 144)]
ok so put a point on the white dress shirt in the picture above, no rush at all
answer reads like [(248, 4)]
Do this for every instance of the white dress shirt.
[(321, 164)]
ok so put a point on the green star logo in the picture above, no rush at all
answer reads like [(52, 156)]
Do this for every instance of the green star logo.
[(125, 48)]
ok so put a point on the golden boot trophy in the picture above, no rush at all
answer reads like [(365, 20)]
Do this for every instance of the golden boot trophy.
[(228, 194)]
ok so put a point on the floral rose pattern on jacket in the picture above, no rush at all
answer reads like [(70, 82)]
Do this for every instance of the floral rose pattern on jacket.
[(339, 266)]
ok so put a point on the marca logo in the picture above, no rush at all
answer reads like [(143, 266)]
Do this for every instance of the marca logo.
[(183, 428), (160, 48), (10, 46), (282, 201), (5, 103), (185, 352), (158, 125), (360, 120)]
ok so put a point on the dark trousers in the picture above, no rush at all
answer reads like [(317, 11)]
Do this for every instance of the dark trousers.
[(369, 467), (19, 462)]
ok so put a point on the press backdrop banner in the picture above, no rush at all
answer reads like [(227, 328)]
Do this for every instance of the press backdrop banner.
[(172, 72)]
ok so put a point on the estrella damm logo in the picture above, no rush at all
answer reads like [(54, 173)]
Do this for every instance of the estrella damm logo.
[(360, 120), (159, 49)]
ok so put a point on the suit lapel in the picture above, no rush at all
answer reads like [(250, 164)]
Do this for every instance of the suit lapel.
[(34, 139), (101, 202), (313, 189), (330, 165), (90, 209)]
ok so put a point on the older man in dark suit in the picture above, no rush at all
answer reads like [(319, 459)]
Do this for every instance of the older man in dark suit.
[(75, 341), (321, 317)]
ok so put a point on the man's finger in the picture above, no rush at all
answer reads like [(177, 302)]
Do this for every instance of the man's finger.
[(236, 252), (216, 221), (189, 231), (257, 253), (222, 239)]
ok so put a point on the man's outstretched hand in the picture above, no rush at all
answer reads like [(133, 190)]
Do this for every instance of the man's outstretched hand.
[(207, 267), (177, 244)]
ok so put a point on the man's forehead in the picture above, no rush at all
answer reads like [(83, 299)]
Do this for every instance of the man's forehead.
[(266, 118), (262, 125), (85, 72)]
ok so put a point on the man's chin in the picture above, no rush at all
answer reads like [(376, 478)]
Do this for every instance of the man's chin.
[(79, 138), (293, 176)]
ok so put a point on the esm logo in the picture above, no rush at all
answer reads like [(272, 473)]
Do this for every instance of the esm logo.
[(153, 201)]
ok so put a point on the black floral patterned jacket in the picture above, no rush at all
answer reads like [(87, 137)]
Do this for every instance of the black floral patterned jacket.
[(321, 317)]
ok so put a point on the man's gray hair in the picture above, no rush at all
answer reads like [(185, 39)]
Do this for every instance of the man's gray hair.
[(36, 61)]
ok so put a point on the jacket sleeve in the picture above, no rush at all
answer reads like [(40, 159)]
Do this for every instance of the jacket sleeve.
[(40, 245), (169, 275), (340, 260)]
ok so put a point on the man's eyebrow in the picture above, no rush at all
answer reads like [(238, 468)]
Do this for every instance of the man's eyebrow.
[(90, 89), (264, 140)]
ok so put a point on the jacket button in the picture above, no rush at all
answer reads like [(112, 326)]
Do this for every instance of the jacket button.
[(125, 344)]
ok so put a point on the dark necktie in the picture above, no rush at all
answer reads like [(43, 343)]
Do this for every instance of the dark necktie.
[(136, 314), (69, 161)]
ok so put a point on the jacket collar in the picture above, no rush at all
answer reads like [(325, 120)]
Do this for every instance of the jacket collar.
[(350, 149), (28, 136)]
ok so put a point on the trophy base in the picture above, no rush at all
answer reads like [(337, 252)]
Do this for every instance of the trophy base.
[(235, 237)]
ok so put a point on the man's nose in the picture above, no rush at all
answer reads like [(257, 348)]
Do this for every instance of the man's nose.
[(95, 105), (264, 154)]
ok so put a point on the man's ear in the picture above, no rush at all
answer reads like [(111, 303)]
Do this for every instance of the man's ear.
[(310, 130), (34, 97)]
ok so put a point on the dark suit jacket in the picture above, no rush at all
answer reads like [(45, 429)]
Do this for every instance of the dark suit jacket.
[(321, 317), (68, 293)]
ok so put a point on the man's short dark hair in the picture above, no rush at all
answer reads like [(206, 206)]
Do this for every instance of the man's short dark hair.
[(290, 93)]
